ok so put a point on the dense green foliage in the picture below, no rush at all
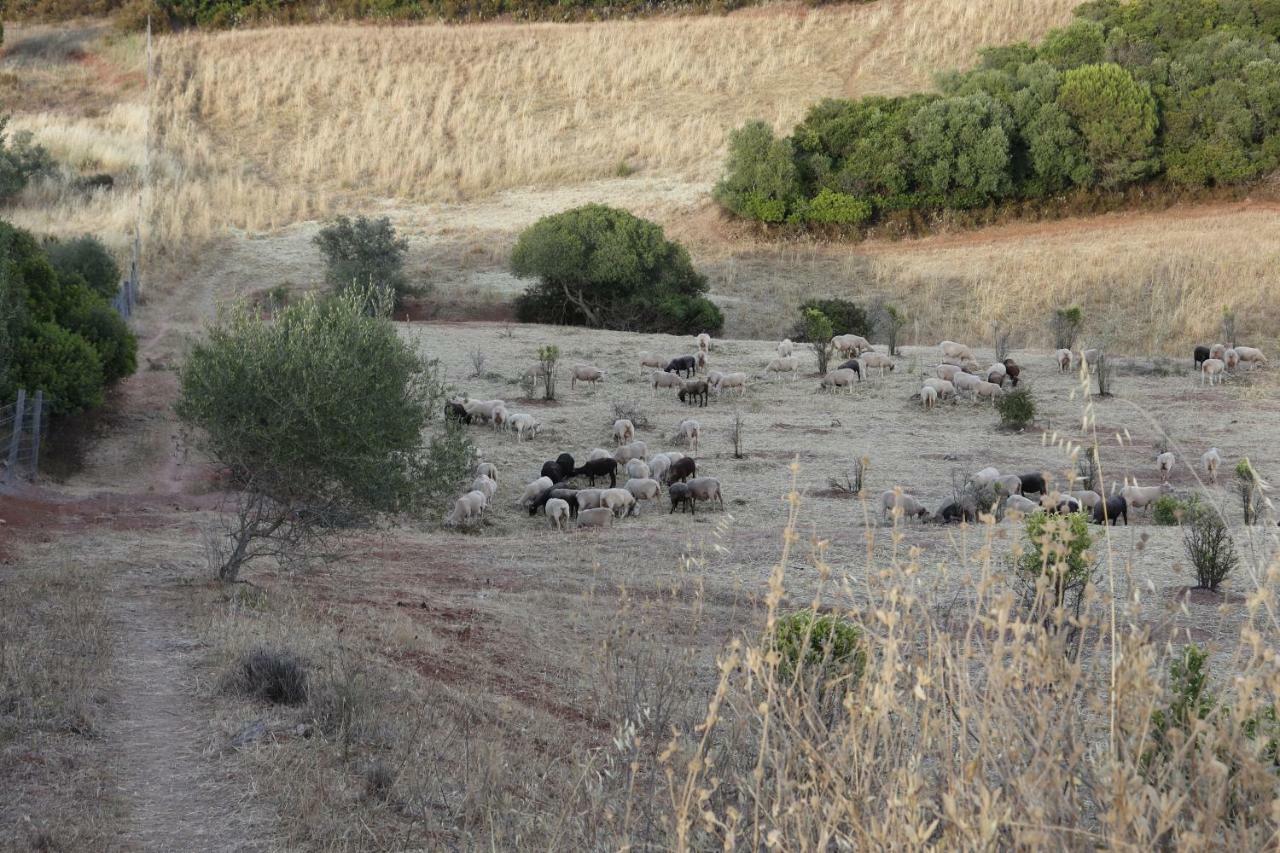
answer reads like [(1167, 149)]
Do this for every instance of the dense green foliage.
[(363, 253), (817, 331), (318, 416), (1210, 548), (1017, 408), (86, 257), (1057, 550), (602, 267), (822, 643), (846, 318), (20, 161), (1186, 92), (58, 333)]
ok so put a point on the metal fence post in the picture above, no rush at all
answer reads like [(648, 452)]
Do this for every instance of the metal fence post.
[(18, 411), (36, 424)]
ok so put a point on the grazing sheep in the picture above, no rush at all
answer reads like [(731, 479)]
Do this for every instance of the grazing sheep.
[(1231, 358), (501, 419), (1088, 357), (681, 470), (557, 492), (901, 503), (623, 431), (643, 489), (649, 359), (1059, 504), (1008, 484), (598, 517), (704, 489), (997, 374), (485, 485), (534, 490), (620, 501), (662, 379), (1111, 510), (1210, 461), (1013, 371), (1139, 497), (957, 511), (599, 468), (734, 381), (694, 391), (599, 453), (658, 467), (985, 477), (554, 472), (1165, 462), (786, 347), (1251, 356), (523, 423), (951, 349), (1064, 360), (713, 376), (1033, 484), (942, 387), (589, 498), (1217, 351), (488, 469), (557, 513), (483, 410), (928, 397), (673, 455), (879, 361), (1087, 497), (1200, 354), (1020, 504), (1212, 369), (680, 496), (638, 469), (633, 450), (839, 379), (968, 382), (987, 389), (585, 373), (686, 364), (565, 463), (704, 342), (948, 371), (690, 430), (456, 411), (466, 509), (787, 364), (850, 344)]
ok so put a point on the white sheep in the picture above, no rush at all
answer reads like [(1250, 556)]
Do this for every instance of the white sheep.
[(638, 469), (968, 382), (948, 371), (485, 485), (643, 489), (997, 374), (633, 450), (522, 423), (557, 511), (621, 501), (501, 418), (786, 364), (1140, 496), (658, 467), (1008, 484), (534, 490), (599, 453), (942, 387), (585, 373), (1165, 462), (987, 389), (483, 409), (690, 430), (662, 379), (731, 381), (877, 360), (673, 456), (713, 376), (1251, 356), (466, 509), (785, 348), (901, 503), (850, 344), (623, 431), (1064, 360), (951, 349), (928, 397), (1212, 369), (488, 469), (1231, 358), (1017, 503), (704, 342), (843, 378), (985, 477), (649, 359), (1217, 351), (1210, 461), (597, 517), (1087, 497), (705, 489), (1087, 357), (588, 498)]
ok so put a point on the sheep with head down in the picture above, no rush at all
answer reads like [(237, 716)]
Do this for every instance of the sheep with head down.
[(650, 360), (638, 469), (466, 509), (785, 347), (1165, 463), (534, 490), (585, 373), (705, 489), (597, 517), (928, 397), (632, 450), (524, 423), (486, 485), (901, 503), (839, 379), (690, 431), (663, 379), (620, 501), (557, 511), (1212, 370), (643, 489), (1210, 461), (943, 388), (487, 469), (1251, 356), (658, 466), (783, 364), (623, 431), (1017, 503)]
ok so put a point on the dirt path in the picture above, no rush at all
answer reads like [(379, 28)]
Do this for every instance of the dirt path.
[(180, 794)]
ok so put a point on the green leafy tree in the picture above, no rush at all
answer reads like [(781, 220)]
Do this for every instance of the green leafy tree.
[(847, 318), (364, 253), (88, 258), (1115, 115), (1058, 552), (760, 180), (960, 150), (1082, 43), (318, 417), (817, 330), (605, 268), (61, 363)]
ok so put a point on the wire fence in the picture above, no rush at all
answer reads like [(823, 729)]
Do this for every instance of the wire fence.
[(23, 424)]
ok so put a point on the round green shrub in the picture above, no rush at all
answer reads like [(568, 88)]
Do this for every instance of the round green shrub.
[(1017, 408), (845, 316), (87, 257), (832, 208), (63, 365), (823, 642)]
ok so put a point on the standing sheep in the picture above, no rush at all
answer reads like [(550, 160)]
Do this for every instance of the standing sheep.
[(643, 489), (658, 467), (786, 364), (585, 373), (663, 379), (1212, 369), (1199, 354), (704, 489), (466, 509), (928, 397), (1251, 356), (523, 423), (632, 450), (734, 381), (1211, 459), (951, 349), (620, 501), (623, 431), (850, 344), (1231, 358), (690, 430), (704, 342), (785, 347), (638, 469), (557, 511), (1165, 462), (693, 391), (1064, 360), (880, 361), (649, 359)]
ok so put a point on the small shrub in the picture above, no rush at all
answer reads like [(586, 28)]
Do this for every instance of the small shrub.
[(548, 357), (891, 322), (736, 431), (1058, 552), (1102, 373), (365, 253), (1017, 408), (1001, 337), (828, 646), (1065, 325), (273, 675), (1210, 549), (20, 161), (832, 208), (632, 412), (88, 258), (817, 330), (478, 357), (1229, 327), (1247, 489), (1168, 510), (1190, 700)]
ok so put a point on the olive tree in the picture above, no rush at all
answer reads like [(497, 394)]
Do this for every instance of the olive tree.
[(321, 420)]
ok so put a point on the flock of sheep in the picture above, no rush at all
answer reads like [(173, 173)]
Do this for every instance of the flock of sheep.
[(559, 494)]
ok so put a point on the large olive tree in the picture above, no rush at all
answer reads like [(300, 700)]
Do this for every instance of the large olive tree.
[(321, 419)]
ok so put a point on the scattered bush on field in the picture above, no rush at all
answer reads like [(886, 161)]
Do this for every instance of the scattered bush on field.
[(1065, 325), (846, 318), (820, 650), (20, 161), (1056, 561), (1017, 408), (1169, 510), (548, 358), (602, 267), (363, 253), (1247, 489), (891, 321), (1103, 368), (277, 676), (274, 403), (817, 331), (1209, 547)]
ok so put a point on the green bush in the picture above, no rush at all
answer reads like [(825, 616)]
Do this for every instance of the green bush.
[(817, 331), (1168, 511), (1210, 549), (108, 333), (364, 253), (833, 208), (605, 268), (1058, 550), (825, 645), (846, 318), (960, 150), (62, 364), (1017, 408), (20, 161), (88, 258), (760, 174), (1116, 117)]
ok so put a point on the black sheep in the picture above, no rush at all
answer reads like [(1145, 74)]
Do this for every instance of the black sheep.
[(680, 494), (1032, 484), (559, 490), (1201, 355), (1066, 505), (598, 468), (956, 512), (686, 364), (565, 461), (1115, 508), (552, 472), (681, 470), (457, 412), (854, 365)]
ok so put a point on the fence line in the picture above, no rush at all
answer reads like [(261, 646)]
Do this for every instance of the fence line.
[(22, 424)]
